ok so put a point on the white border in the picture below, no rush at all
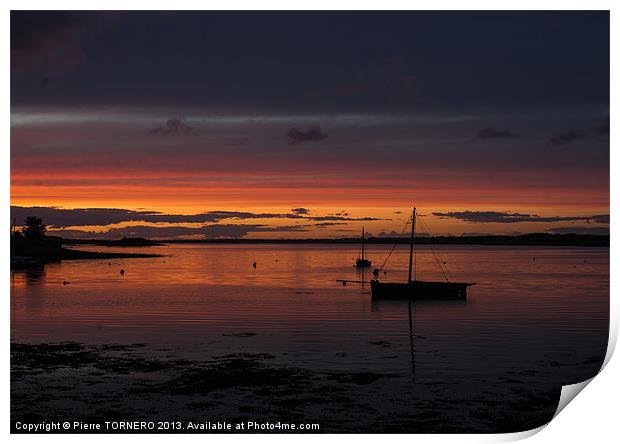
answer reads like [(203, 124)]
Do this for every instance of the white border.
[(592, 418)]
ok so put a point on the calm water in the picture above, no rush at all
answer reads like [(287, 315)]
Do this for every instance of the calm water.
[(537, 318)]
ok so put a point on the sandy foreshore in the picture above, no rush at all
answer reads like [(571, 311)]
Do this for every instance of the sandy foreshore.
[(113, 382)]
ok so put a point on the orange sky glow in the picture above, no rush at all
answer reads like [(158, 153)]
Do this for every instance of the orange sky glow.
[(252, 168)]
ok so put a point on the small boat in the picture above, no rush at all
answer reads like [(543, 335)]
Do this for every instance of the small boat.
[(418, 290), (362, 262)]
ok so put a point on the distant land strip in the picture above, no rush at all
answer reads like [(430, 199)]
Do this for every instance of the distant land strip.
[(541, 239)]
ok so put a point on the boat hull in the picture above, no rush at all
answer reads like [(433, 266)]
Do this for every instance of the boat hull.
[(419, 290), (363, 263)]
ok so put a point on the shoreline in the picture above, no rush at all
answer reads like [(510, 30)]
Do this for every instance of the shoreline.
[(68, 254)]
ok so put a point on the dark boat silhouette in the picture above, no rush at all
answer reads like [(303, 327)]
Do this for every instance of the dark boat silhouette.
[(415, 289), (362, 262)]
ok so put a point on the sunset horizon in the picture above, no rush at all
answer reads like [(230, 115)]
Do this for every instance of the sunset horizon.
[(252, 164), (298, 223), (337, 130)]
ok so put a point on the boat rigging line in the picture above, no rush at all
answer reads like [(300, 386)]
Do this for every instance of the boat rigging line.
[(402, 233), (436, 255), (438, 259)]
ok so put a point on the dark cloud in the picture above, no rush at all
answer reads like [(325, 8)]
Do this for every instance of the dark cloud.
[(41, 35), (247, 215), (53, 40), (330, 218), (328, 224), (600, 218), (339, 213), (564, 137), (237, 231), (311, 134), (60, 217), (580, 230), (300, 210), (392, 234), (403, 235), (173, 127), (215, 231), (31, 29), (134, 231), (503, 217), (493, 133), (367, 61), (390, 80)]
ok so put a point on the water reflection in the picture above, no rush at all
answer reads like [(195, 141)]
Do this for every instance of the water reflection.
[(524, 328), (397, 307), (292, 303), (29, 276)]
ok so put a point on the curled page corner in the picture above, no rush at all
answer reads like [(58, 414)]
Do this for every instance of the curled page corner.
[(568, 393), (613, 336), (518, 436)]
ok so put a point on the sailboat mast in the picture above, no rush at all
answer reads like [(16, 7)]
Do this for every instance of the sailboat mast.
[(362, 246), (411, 248)]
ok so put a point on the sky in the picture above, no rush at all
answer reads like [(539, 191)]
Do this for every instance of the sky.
[(309, 124)]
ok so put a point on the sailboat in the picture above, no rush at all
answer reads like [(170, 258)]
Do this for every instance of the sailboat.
[(361, 261), (415, 289)]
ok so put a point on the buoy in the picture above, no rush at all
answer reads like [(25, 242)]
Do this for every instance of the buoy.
[(122, 271), (254, 265)]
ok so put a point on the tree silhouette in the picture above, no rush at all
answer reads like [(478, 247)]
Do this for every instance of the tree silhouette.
[(34, 228)]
